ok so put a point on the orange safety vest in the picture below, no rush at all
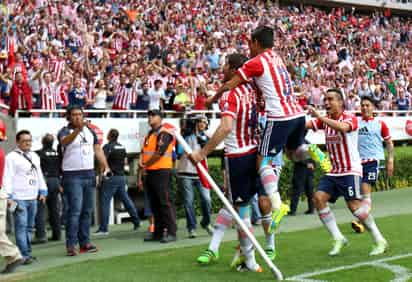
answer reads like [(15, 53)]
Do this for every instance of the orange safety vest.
[(149, 149)]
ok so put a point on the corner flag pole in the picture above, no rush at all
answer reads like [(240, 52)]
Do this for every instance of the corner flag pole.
[(276, 272)]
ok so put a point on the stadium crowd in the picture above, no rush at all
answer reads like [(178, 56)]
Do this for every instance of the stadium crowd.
[(149, 54)]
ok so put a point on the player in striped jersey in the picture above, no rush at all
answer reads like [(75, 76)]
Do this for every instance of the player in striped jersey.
[(371, 133), (285, 127), (341, 132), (237, 129)]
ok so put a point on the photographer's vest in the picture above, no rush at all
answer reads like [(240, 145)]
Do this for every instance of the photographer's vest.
[(149, 149)]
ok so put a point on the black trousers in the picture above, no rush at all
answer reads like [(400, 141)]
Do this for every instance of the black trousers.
[(302, 182), (54, 211), (158, 185)]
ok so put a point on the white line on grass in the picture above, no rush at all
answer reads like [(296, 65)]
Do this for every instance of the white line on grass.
[(401, 273)]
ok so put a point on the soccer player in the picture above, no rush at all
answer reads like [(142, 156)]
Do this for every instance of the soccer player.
[(341, 132), (224, 220), (237, 129), (285, 127), (371, 134)]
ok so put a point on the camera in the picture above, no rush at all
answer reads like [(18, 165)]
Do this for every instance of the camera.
[(188, 127)]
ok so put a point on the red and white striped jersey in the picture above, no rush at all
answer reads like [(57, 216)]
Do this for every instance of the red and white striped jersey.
[(342, 147), (122, 98), (50, 97), (240, 104), (272, 78)]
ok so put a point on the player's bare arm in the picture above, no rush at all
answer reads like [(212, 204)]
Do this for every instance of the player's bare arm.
[(220, 134), (390, 158), (228, 85), (337, 125)]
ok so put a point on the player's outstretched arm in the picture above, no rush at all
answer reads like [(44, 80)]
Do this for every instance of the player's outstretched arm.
[(220, 134), (336, 125), (228, 85)]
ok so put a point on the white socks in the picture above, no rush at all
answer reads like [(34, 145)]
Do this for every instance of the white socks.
[(329, 220)]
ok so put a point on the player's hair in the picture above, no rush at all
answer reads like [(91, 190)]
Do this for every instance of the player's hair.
[(264, 36), (236, 60), (370, 99), (337, 91), (20, 133)]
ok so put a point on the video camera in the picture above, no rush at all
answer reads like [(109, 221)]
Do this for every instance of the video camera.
[(188, 127)]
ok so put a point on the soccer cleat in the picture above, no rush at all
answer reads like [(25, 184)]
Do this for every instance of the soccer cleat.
[(207, 257), (277, 216), (320, 157), (271, 254), (337, 246), (238, 258), (243, 268), (358, 227), (379, 248)]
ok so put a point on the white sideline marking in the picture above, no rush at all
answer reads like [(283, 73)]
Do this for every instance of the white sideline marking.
[(402, 274)]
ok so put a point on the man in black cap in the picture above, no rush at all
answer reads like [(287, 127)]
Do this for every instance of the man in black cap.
[(156, 162)]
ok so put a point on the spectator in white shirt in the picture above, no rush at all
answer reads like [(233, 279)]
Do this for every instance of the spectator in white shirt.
[(24, 183), (157, 96)]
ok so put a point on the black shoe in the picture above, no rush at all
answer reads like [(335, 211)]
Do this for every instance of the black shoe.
[(11, 267), (136, 226), (39, 241), (309, 212), (151, 237), (167, 238), (54, 238), (292, 214)]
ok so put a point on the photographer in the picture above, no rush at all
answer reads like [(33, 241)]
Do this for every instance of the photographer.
[(188, 179)]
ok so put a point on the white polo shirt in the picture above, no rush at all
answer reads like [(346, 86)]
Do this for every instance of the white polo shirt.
[(78, 156)]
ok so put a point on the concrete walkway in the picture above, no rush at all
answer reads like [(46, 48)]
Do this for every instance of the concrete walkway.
[(123, 241)]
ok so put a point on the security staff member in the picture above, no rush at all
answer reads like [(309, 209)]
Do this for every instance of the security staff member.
[(115, 184), (50, 165), (157, 163)]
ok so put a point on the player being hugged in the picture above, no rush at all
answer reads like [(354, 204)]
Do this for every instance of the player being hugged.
[(237, 129), (285, 126), (341, 132)]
